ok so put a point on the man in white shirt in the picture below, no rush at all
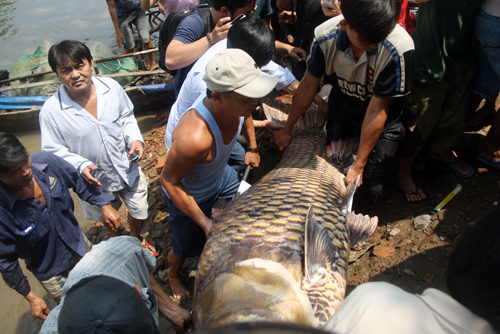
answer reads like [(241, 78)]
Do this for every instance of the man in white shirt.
[(90, 123)]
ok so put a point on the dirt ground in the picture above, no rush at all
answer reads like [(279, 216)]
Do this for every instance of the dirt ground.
[(411, 245)]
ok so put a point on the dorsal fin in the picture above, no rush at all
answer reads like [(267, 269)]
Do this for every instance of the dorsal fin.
[(277, 112), (343, 152), (360, 227), (349, 195), (318, 248)]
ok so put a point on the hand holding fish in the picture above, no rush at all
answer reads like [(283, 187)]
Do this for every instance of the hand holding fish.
[(353, 173), (272, 127), (282, 138)]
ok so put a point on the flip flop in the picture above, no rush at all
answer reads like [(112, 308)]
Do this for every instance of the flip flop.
[(148, 247), (409, 192), (447, 167), (494, 164)]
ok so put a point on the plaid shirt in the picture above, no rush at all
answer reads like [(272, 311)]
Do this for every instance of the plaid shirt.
[(122, 258)]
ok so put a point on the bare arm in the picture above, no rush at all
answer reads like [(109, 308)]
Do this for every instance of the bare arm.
[(147, 4), (373, 124), (248, 131), (298, 54), (180, 318), (322, 105), (302, 100), (114, 18), (188, 149), (179, 55)]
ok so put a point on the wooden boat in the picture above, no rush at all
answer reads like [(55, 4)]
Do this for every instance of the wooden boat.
[(20, 113)]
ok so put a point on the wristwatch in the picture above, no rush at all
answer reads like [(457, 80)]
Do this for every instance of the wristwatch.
[(253, 149)]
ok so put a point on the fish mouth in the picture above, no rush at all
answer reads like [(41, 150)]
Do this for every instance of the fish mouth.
[(253, 290)]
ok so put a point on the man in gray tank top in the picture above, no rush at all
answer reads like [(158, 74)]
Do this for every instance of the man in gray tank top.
[(196, 173)]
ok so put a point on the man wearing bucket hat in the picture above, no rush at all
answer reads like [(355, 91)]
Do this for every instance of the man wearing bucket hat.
[(196, 173)]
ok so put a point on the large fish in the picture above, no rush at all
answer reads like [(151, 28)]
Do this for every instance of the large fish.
[(279, 252)]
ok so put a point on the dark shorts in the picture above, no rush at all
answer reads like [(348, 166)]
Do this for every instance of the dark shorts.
[(188, 238), (379, 162)]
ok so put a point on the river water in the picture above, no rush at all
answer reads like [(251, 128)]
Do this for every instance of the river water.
[(24, 24)]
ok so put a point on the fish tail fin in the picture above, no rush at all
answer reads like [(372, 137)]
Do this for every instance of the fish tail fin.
[(360, 227), (277, 112), (343, 152)]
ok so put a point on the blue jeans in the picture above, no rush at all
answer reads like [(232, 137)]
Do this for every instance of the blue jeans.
[(237, 159), (487, 49), (188, 238)]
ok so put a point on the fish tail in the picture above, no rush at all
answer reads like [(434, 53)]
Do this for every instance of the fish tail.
[(277, 112), (343, 152)]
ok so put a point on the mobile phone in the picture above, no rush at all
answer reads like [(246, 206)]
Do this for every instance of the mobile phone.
[(239, 17), (329, 3), (135, 158)]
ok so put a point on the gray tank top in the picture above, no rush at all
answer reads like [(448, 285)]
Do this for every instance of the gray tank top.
[(205, 179)]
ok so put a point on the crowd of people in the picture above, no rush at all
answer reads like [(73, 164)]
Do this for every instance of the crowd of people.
[(403, 95)]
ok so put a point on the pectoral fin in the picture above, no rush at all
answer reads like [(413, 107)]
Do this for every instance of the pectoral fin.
[(360, 227), (319, 251), (349, 195)]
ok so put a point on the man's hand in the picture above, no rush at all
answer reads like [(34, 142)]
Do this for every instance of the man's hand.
[(221, 29), (331, 12), (38, 306), (112, 218), (297, 54), (282, 139), (286, 17), (120, 39), (272, 127), (161, 8), (86, 174), (353, 173), (252, 159), (136, 149)]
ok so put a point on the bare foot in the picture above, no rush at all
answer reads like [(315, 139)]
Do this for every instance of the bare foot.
[(490, 155), (452, 157), (179, 291), (411, 192)]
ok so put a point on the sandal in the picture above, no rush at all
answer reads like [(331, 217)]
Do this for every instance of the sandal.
[(447, 166), (145, 244)]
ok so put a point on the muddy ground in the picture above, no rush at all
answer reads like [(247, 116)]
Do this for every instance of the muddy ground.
[(410, 247)]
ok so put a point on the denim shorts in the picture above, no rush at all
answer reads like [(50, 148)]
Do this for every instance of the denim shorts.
[(137, 18), (188, 238), (487, 49)]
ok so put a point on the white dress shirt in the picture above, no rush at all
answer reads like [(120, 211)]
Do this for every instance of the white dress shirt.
[(194, 85), (72, 133)]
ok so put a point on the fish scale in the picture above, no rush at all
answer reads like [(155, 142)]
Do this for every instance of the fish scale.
[(268, 222)]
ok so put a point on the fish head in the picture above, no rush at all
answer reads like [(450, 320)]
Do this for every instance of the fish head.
[(253, 290)]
